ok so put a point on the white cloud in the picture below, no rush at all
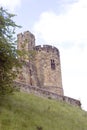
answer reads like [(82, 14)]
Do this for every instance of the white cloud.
[(68, 32), (9, 4), (74, 73), (70, 27)]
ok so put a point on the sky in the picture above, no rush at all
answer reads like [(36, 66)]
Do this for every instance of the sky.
[(63, 24)]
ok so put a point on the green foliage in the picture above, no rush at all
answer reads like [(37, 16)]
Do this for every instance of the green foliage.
[(8, 53), (23, 111)]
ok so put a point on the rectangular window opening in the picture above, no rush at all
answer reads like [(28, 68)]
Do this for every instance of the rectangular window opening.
[(52, 64)]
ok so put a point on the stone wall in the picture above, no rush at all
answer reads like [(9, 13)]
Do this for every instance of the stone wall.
[(44, 93), (48, 66)]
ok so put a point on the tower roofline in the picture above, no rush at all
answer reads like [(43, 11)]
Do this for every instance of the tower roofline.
[(47, 48)]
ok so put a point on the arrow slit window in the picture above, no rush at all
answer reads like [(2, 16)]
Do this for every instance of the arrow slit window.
[(52, 64)]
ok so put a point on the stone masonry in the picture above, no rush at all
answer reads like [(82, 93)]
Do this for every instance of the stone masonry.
[(41, 73), (44, 69)]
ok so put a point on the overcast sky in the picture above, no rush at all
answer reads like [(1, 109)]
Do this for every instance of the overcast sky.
[(61, 23)]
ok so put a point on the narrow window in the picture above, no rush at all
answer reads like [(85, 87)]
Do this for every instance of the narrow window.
[(30, 72), (52, 64), (31, 81), (30, 77)]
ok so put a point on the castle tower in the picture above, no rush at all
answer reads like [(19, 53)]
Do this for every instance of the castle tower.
[(45, 70), (49, 68), (25, 42), (27, 39)]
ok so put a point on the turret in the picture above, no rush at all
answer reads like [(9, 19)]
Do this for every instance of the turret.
[(27, 39)]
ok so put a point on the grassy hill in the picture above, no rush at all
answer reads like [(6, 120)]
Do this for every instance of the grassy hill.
[(22, 111)]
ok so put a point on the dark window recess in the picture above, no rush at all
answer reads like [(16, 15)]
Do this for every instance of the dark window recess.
[(30, 77), (30, 72), (31, 81), (53, 64)]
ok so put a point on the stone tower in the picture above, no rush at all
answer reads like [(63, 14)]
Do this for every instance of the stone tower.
[(28, 39), (44, 71)]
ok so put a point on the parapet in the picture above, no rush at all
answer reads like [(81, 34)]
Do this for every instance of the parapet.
[(47, 48), (28, 34), (25, 35)]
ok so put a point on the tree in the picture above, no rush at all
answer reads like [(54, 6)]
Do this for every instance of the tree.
[(8, 52)]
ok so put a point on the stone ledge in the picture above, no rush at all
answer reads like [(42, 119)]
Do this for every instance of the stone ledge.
[(44, 93)]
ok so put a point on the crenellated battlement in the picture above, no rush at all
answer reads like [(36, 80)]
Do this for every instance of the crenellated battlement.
[(25, 35), (47, 48)]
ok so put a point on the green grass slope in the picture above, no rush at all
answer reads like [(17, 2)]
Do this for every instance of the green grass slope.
[(22, 111)]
